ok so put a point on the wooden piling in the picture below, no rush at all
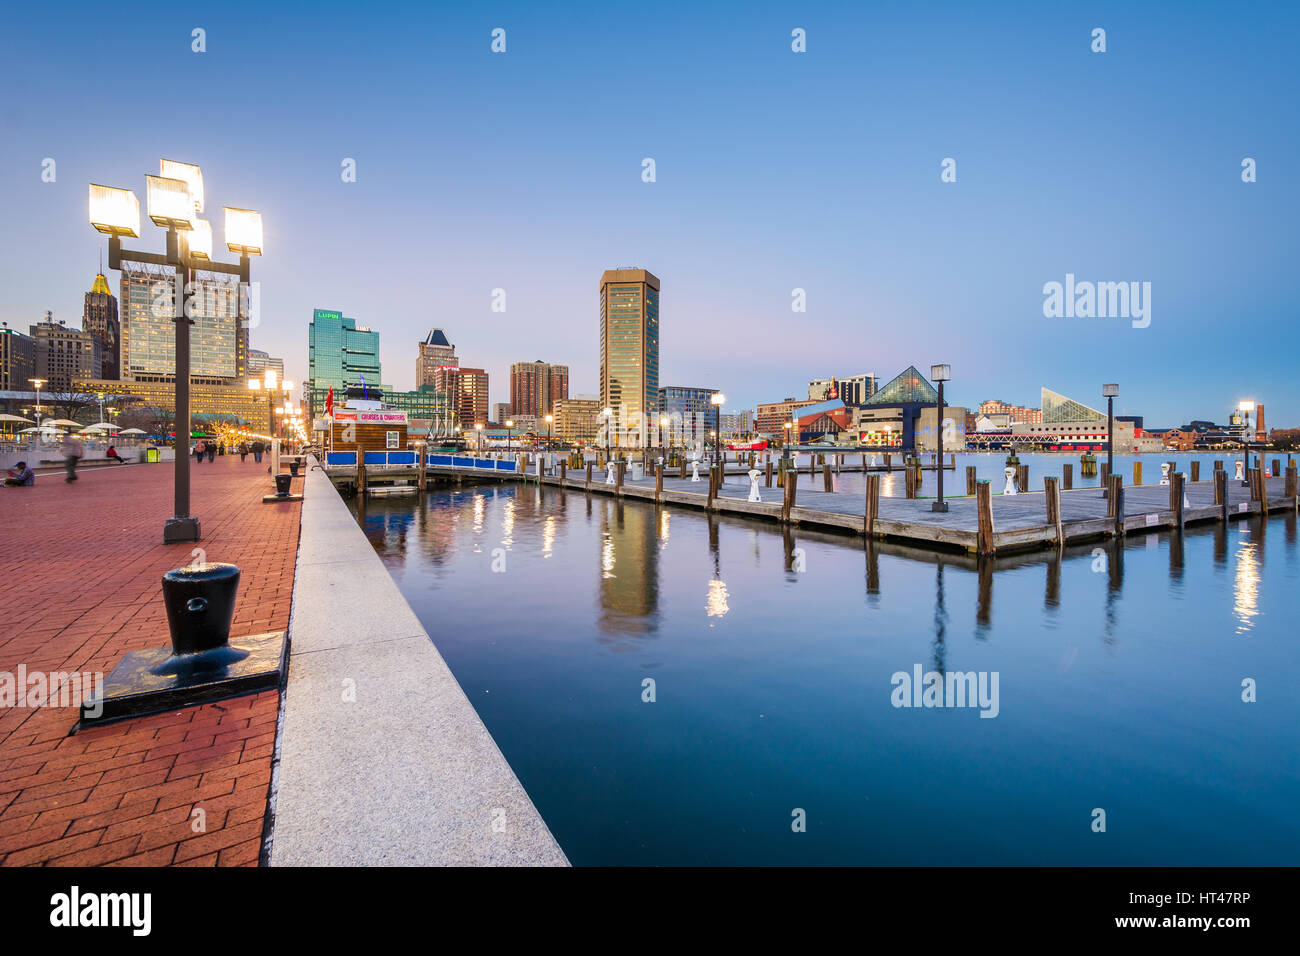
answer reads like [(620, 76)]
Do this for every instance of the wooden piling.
[(587, 485), (1262, 481), (970, 479), (620, 469), (1022, 478), (1052, 487), (984, 506), (683, 462), (1104, 471), (659, 481), (1220, 486), (1067, 476), (713, 487), (909, 481), (768, 474), (827, 483), (787, 503), (1116, 501), (888, 462), (361, 472), (564, 471), (1176, 483), (1137, 473), (1276, 470), (1196, 471), (421, 466), (873, 505), (1291, 483)]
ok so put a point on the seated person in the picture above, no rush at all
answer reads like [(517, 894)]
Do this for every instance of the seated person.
[(112, 455), (21, 475)]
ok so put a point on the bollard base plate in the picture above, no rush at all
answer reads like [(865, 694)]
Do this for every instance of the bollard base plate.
[(267, 499), (140, 684)]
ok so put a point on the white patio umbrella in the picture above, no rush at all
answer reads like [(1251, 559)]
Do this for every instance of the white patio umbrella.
[(15, 418), (132, 431), (60, 423)]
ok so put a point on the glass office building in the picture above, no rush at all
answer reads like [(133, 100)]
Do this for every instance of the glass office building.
[(629, 352), (692, 417), (148, 310), (340, 354)]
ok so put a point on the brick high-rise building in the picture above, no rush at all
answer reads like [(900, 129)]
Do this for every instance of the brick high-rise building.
[(535, 387), (436, 351), (467, 394), (17, 360), (64, 354), (99, 318)]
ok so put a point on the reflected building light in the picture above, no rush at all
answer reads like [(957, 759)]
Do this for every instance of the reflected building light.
[(716, 603), (548, 535), (508, 524), (663, 526), (1245, 588), (607, 557), (479, 508)]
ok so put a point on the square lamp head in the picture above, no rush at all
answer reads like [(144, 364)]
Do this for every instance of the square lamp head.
[(1109, 391), (113, 211), (243, 231), (170, 205), (940, 373), (200, 239), (187, 173)]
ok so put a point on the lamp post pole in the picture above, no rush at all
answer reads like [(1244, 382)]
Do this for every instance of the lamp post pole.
[(940, 374), (1110, 391)]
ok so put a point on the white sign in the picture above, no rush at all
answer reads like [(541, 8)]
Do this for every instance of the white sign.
[(363, 417)]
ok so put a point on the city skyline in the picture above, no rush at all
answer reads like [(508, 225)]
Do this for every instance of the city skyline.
[(774, 192)]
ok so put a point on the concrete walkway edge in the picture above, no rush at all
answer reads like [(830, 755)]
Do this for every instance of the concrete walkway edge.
[(382, 760)]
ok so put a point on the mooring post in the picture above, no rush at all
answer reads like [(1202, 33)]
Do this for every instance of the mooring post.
[(1176, 482), (1052, 487), (1196, 470), (768, 473), (970, 479), (1276, 470), (361, 472), (827, 483), (909, 482), (683, 464), (787, 505), (872, 505), (1022, 479), (1221, 490), (1067, 476), (888, 462), (1218, 466), (1137, 473), (1117, 502), (1104, 470), (984, 506), (659, 481), (1262, 481), (587, 485), (713, 490), (422, 466), (620, 469), (1291, 483), (564, 472)]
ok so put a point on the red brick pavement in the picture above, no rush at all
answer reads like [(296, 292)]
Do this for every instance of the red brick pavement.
[(80, 570)]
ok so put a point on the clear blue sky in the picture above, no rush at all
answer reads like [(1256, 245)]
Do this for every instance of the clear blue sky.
[(775, 170)]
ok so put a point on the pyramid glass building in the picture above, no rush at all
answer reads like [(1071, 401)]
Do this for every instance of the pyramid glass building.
[(907, 386), (1058, 408)]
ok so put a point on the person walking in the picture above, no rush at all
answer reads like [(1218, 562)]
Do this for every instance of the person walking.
[(258, 448), (243, 451), (198, 452), (212, 451), (72, 450)]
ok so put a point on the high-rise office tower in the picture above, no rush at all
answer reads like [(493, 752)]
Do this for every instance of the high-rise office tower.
[(17, 360), (436, 351), (148, 340), (629, 352), (99, 318), (340, 354), (259, 362), (536, 386)]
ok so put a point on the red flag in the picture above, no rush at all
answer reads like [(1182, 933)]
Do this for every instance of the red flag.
[(329, 402)]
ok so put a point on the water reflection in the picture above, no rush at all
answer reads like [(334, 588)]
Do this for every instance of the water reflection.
[(1245, 583), (629, 569)]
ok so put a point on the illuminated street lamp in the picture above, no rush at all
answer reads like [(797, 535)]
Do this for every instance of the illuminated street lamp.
[(940, 374), (176, 198), (716, 400), (607, 414), (38, 382), (549, 419), (510, 424), (1245, 408), (663, 429), (479, 428), (1110, 391)]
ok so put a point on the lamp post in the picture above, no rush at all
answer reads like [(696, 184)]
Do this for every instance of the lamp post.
[(549, 419), (175, 199), (479, 446), (940, 374), (663, 430), (716, 400), (607, 414), (1110, 391), (1245, 408), (38, 382), (510, 423)]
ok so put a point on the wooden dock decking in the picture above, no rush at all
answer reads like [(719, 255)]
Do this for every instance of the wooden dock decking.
[(1020, 522)]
